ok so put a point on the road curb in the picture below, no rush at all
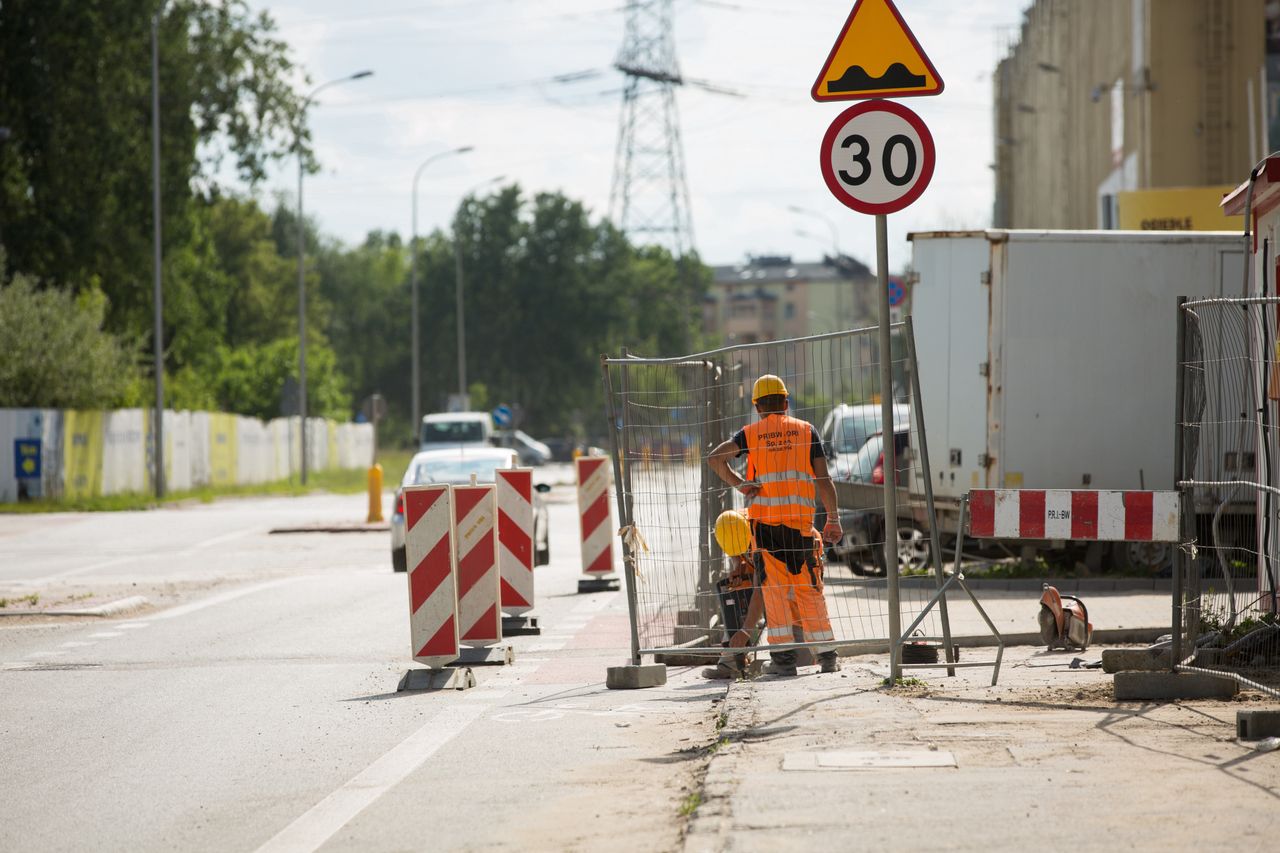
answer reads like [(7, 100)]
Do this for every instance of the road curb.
[(111, 608), (335, 527), (709, 827)]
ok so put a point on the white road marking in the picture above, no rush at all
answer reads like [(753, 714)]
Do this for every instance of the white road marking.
[(546, 647), (76, 644), (93, 567), (133, 626), (317, 825), (105, 635), (230, 595), (49, 654), (216, 540)]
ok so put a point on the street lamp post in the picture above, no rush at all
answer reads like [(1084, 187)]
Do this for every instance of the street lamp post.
[(835, 247), (302, 269), (415, 392), (457, 263), (157, 431)]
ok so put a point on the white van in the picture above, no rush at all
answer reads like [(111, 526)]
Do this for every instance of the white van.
[(455, 429)]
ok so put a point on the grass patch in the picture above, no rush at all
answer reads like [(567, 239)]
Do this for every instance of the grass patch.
[(690, 804), (354, 481), (903, 682), (30, 600)]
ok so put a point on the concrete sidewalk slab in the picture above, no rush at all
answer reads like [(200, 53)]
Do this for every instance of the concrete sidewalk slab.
[(1046, 752)]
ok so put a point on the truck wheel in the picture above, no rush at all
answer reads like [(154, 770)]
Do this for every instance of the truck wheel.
[(1145, 557)]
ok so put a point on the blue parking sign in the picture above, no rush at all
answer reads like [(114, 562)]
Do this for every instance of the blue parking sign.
[(502, 416), (26, 458)]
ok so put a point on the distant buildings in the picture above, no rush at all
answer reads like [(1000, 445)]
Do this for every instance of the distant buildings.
[(1101, 102), (771, 297)]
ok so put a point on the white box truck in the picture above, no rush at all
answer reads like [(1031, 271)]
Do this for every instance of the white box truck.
[(1048, 358)]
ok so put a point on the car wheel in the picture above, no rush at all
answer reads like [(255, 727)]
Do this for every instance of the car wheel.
[(913, 549), (399, 560), (542, 556)]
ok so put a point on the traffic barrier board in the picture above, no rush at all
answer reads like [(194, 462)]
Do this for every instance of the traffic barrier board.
[(475, 524), (515, 538), (1075, 514), (433, 596)]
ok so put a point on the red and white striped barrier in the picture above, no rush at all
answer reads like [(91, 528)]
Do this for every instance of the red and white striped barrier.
[(475, 525), (515, 538), (1073, 514), (433, 600), (595, 516)]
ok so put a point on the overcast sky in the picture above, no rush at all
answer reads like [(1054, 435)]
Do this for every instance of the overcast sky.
[(449, 73)]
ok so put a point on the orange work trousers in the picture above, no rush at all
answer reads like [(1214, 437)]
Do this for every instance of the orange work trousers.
[(795, 601)]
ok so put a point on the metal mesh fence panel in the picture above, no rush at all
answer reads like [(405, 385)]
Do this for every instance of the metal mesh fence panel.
[(1230, 482), (670, 414)]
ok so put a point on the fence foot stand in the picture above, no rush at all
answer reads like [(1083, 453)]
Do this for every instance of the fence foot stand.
[(520, 626), (604, 584), (636, 676), (1255, 725), (460, 678), (499, 655)]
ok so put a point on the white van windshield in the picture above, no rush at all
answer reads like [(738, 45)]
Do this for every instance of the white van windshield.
[(452, 432)]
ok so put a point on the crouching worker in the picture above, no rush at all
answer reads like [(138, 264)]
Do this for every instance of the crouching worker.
[(793, 605)]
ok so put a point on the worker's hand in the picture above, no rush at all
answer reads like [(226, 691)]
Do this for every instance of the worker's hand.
[(749, 489), (832, 531), (739, 639)]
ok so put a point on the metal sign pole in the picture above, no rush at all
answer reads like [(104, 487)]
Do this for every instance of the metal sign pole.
[(887, 442)]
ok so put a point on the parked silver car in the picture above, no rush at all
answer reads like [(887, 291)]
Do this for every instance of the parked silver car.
[(455, 466)]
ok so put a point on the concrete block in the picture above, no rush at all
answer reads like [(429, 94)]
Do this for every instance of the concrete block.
[(437, 679), (688, 617), (1142, 660), (520, 626), (1172, 685), (599, 585), (632, 677), (502, 655), (684, 634), (1255, 725)]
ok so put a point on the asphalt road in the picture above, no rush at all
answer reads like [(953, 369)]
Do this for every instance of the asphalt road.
[(253, 706)]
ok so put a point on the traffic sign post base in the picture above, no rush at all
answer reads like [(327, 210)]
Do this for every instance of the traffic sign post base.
[(437, 679), (520, 626), (500, 655), (606, 584)]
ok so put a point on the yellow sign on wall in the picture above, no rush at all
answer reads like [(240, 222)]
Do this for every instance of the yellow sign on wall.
[(82, 453), (1175, 209)]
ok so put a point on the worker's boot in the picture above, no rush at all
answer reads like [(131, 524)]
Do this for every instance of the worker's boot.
[(828, 662), (781, 663), (726, 669)]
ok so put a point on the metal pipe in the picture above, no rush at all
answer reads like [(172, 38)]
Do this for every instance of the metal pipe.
[(887, 443)]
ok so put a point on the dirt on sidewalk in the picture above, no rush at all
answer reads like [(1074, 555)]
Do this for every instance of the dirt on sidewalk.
[(954, 763)]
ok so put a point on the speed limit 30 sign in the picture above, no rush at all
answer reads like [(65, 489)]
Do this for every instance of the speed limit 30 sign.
[(877, 157)]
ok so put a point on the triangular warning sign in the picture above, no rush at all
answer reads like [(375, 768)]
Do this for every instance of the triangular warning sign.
[(876, 56)]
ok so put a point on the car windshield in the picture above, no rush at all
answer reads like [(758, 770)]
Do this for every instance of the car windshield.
[(452, 432), (865, 461), (853, 429), (454, 470)]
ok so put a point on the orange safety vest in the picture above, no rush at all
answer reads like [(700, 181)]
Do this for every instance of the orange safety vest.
[(778, 459)]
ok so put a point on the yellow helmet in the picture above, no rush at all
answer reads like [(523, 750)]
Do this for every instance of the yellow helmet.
[(767, 386), (733, 532)]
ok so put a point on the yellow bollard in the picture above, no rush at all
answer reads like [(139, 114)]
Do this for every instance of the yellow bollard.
[(375, 493)]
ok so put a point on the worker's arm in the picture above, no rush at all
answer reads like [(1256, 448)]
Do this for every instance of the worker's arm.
[(742, 637), (831, 531), (719, 461)]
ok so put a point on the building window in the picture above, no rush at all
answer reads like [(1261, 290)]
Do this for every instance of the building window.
[(789, 311)]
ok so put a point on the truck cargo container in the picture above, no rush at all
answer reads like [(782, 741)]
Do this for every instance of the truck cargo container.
[(1048, 359)]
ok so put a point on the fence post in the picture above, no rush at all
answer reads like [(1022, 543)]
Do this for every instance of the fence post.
[(935, 540), (624, 500), (1179, 556)]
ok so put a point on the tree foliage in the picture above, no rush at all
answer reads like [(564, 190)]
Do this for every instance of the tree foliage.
[(56, 353)]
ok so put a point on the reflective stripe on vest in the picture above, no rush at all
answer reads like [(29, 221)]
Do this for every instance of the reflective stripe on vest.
[(779, 457)]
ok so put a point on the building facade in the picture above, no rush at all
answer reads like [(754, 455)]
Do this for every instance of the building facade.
[(773, 297), (1101, 99)]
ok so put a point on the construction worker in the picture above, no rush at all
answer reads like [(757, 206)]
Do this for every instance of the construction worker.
[(738, 591), (786, 475)]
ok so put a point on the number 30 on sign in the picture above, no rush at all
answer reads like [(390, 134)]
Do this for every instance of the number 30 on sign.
[(877, 157)]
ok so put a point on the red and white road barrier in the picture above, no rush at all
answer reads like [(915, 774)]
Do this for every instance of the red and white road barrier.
[(476, 528), (595, 516), (1073, 514), (433, 599), (515, 538)]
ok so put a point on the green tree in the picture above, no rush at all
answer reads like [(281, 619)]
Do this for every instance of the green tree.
[(56, 353)]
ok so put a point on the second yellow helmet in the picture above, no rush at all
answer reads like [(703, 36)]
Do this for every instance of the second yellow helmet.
[(733, 532)]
